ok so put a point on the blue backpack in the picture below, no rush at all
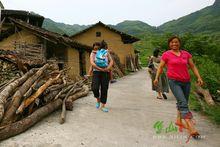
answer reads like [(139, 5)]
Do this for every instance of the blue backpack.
[(101, 58)]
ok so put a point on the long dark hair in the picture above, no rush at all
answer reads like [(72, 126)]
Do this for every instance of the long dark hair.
[(96, 44), (156, 52), (103, 45)]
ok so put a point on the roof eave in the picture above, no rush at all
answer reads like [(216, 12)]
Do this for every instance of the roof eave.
[(50, 36), (122, 34)]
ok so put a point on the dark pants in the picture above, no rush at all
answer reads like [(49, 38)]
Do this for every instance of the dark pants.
[(100, 80), (181, 91)]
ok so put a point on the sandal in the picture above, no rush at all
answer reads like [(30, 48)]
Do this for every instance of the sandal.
[(192, 132), (194, 135), (159, 97), (181, 126)]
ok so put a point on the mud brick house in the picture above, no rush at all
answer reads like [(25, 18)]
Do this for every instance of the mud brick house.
[(119, 42), (21, 31)]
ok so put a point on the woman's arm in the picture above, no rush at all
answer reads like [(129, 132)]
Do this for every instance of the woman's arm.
[(196, 72), (93, 63), (159, 72), (90, 70), (111, 62)]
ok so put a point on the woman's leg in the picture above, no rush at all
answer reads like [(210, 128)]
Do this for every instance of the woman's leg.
[(178, 89), (95, 86), (179, 122), (165, 86), (190, 124), (186, 90), (182, 103), (158, 87), (159, 95), (104, 88)]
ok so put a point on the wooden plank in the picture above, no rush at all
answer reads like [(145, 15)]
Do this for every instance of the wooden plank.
[(33, 51)]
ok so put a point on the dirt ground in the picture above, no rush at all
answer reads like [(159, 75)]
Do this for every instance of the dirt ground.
[(130, 122)]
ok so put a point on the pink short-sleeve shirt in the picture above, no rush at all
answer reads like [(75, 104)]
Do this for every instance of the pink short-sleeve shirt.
[(177, 66)]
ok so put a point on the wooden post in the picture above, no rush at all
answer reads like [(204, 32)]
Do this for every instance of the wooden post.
[(44, 48)]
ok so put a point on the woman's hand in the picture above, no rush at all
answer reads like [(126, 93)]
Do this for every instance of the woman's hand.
[(109, 68), (106, 69), (102, 69), (155, 82), (200, 81), (159, 72)]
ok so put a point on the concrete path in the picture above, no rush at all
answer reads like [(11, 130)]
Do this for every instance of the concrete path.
[(133, 112)]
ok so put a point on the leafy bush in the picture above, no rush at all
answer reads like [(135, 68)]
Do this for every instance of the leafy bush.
[(210, 72)]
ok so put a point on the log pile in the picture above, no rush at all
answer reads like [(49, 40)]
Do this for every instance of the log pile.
[(137, 61), (132, 63), (25, 100), (117, 70), (9, 69)]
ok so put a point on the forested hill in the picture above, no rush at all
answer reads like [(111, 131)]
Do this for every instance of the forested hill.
[(136, 27), (62, 28), (206, 20), (130, 27), (51, 25)]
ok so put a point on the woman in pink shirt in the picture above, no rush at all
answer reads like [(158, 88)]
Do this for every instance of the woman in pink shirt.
[(178, 62)]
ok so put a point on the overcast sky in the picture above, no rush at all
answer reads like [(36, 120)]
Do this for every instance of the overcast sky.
[(153, 12)]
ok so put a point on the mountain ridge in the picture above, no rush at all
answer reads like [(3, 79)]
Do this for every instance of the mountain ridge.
[(206, 20)]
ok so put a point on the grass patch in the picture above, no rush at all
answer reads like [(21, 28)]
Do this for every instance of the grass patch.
[(212, 112), (127, 72)]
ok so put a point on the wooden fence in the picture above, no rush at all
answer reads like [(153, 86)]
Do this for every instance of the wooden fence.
[(30, 51)]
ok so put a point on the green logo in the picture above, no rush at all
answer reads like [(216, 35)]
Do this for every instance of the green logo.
[(159, 127)]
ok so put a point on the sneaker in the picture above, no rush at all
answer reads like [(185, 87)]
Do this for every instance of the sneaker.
[(104, 109), (97, 105), (113, 81), (164, 96)]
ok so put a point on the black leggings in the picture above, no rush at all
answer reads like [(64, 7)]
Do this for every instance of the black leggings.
[(100, 79)]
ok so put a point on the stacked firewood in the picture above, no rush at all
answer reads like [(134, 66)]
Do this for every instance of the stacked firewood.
[(137, 62), (25, 100), (117, 70), (132, 63), (9, 69)]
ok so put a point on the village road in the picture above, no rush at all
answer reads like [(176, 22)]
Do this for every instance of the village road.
[(130, 122)]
